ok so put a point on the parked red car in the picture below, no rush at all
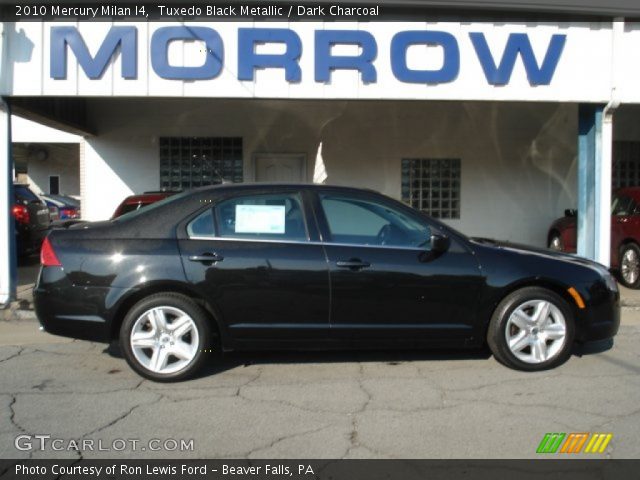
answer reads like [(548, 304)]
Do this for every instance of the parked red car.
[(625, 235), (136, 202)]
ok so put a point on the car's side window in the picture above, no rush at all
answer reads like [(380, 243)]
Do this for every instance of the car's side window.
[(267, 217), (352, 220), (202, 225), (622, 206)]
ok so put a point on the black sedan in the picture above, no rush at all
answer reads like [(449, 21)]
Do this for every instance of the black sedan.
[(238, 267)]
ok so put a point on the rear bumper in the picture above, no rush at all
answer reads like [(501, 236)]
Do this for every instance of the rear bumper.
[(71, 311)]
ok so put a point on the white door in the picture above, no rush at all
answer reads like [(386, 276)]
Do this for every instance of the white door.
[(280, 167)]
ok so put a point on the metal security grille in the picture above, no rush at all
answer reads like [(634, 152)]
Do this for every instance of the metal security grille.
[(432, 185), (187, 162), (626, 164)]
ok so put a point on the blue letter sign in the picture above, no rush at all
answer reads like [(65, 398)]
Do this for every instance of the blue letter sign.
[(159, 53), (94, 67), (401, 43), (326, 62), (249, 60), (518, 43)]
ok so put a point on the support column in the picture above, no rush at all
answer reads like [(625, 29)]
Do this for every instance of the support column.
[(594, 183), (7, 235)]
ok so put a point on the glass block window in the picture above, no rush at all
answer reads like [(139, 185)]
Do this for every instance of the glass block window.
[(188, 162), (626, 164), (432, 185)]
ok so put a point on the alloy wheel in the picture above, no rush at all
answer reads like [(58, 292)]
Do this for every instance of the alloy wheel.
[(630, 266), (164, 340), (536, 331)]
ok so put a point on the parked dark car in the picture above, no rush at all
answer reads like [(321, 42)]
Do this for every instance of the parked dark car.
[(237, 267), (136, 202), (31, 218), (68, 207), (625, 235)]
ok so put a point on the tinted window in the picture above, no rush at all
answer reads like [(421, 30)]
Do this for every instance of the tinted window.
[(275, 216), (623, 206), (355, 221), (202, 225)]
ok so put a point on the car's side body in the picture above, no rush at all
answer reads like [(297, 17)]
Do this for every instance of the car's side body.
[(304, 293)]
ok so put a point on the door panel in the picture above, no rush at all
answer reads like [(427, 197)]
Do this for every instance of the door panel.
[(386, 283), (251, 257), (403, 294), (263, 290)]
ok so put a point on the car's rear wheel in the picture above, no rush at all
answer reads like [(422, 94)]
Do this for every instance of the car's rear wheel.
[(532, 329), (555, 241), (630, 265), (166, 337)]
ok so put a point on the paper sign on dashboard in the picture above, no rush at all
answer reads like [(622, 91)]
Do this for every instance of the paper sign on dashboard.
[(260, 218)]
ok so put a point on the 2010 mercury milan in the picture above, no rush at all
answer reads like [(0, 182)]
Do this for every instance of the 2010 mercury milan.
[(268, 266)]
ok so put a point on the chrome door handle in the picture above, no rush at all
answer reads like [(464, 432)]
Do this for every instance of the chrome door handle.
[(206, 258), (353, 264)]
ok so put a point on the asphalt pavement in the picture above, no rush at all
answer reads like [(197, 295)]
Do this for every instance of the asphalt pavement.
[(312, 405)]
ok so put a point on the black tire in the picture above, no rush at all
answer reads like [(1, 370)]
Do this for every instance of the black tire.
[(176, 301), (624, 272), (555, 241), (497, 332)]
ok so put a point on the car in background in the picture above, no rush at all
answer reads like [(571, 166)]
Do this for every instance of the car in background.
[(32, 219), (136, 202), (625, 235), (272, 266), (68, 207)]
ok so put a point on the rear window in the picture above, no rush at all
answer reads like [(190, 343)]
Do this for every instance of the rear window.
[(24, 195)]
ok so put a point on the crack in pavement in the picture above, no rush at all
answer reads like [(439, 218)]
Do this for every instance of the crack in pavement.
[(15, 355), (122, 417), (354, 438), (283, 438)]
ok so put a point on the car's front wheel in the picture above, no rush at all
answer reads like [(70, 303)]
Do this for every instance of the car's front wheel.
[(532, 329), (165, 337), (630, 265)]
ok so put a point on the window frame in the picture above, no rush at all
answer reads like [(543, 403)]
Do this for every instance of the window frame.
[(325, 230), (307, 217)]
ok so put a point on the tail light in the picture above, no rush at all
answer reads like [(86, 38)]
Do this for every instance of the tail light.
[(21, 214), (48, 257), (68, 213)]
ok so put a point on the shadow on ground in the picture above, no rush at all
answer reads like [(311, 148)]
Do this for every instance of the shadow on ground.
[(233, 360)]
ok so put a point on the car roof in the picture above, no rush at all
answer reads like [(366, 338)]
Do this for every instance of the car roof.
[(278, 185)]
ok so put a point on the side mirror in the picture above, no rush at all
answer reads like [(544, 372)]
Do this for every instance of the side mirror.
[(569, 212), (440, 243)]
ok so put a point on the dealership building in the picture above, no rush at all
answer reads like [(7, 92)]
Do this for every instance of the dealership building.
[(494, 126)]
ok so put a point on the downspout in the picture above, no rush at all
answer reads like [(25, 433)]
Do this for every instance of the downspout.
[(603, 218)]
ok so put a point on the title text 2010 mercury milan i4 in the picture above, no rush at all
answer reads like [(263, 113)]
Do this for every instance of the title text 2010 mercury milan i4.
[(236, 267)]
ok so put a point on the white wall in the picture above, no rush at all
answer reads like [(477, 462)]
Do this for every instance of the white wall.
[(518, 160), (64, 163)]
